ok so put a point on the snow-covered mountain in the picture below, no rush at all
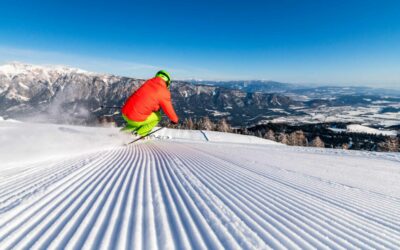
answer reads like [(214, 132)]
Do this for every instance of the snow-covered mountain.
[(65, 95), (22, 82), (70, 187), (252, 86), (58, 92)]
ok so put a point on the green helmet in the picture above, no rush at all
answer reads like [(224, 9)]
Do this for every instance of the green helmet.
[(165, 76)]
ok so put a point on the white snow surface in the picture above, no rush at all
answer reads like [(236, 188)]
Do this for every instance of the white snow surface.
[(68, 187), (356, 128)]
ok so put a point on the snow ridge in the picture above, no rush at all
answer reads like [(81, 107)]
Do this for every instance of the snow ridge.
[(16, 68), (182, 195), (356, 128)]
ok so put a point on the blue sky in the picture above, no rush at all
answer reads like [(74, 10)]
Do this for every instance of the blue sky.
[(325, 42)]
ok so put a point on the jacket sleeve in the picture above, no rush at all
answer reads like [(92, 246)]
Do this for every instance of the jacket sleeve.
[(168, 109)]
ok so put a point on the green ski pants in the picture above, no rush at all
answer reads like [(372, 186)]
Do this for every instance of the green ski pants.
[(144, 127)]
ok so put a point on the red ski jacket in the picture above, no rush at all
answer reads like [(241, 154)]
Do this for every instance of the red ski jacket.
[(152, 95)]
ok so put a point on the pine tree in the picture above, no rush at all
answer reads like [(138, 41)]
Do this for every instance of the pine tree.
[(283, 138), (223, 126), (188, 124), (207, 124), (298, 138), (270, 135), (317, 142), (391, 144)]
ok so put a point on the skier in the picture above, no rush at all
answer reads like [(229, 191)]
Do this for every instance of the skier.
[(141, 111)]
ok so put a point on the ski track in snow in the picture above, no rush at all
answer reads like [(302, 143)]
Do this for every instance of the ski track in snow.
[(182, 195)]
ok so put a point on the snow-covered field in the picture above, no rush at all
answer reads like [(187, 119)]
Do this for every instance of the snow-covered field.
[(74, 187), (356, 128), (347, 114)]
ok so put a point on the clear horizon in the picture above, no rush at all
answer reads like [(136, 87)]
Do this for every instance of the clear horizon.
[(343, 43)]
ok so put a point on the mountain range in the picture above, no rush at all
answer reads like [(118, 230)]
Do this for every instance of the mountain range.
[(68, 95)]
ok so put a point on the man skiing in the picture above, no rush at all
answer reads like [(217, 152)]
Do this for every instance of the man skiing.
[(141, 111)]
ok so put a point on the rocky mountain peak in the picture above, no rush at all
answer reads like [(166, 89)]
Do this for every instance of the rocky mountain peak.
[(69, 94)]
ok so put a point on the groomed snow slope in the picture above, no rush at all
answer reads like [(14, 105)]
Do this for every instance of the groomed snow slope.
[(191, 193)]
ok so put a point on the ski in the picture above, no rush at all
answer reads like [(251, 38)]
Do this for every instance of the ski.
[(140, 138)]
